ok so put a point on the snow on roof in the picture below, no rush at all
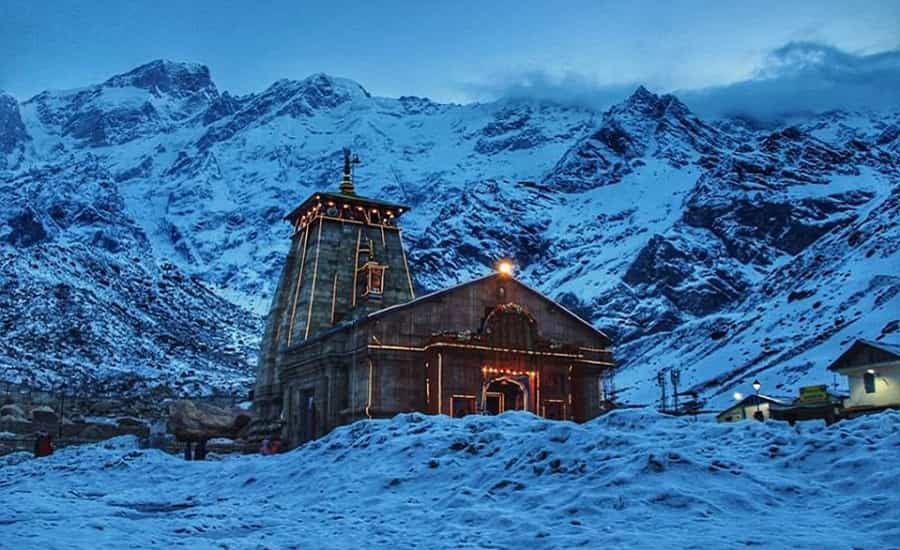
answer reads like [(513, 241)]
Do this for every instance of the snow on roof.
[(751, 400)]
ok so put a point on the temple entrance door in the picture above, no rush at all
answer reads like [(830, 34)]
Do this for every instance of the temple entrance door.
[(307, 410), (504, 394)]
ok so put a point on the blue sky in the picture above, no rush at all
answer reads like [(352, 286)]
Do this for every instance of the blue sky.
[(449, 51)]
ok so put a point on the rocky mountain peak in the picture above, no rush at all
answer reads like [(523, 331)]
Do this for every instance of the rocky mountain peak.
[(315, 93), (645, 103), (643, 125), (12, 131), (168, 77), (325, 91), (642, 95)]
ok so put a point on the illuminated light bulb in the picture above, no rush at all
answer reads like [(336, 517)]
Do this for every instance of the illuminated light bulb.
[(738, 396), (871, 371), (505, 267)]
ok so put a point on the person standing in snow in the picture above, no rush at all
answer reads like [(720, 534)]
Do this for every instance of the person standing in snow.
[(43, 445), (266, 448), (188, 452), (200, 453), (275, 446)]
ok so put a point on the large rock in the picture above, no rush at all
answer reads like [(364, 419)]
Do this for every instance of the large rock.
[(14, 411), (44, 416), (191, 421), (17, 425), (133, 426), (97, 431)]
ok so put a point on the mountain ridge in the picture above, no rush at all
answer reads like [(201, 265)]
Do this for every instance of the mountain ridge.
[(657, 226)]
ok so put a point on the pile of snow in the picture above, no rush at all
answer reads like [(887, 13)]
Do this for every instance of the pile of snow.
[(627, 480)]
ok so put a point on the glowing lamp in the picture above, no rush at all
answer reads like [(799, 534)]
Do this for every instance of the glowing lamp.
[(738, 396), (505, 267), (871, 371), (756, 386)]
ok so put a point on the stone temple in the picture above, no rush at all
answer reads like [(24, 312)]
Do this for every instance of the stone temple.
[(347, 338)]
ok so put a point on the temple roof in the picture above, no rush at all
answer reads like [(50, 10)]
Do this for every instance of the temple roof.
[(342, 198), (444, 291), (428, 297)]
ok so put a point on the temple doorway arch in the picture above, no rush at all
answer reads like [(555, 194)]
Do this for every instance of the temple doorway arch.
[(504, 393)]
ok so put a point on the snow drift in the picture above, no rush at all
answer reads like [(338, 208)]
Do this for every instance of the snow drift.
[(629, 479)]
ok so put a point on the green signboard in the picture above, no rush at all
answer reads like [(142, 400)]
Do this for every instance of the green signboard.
[(812, 394)]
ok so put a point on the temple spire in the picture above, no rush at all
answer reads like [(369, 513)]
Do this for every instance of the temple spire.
[(347, 182)]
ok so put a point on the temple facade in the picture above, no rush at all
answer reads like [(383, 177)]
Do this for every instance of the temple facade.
[(347, 338)]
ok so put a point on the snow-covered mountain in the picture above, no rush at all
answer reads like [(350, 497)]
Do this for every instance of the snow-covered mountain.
[(730, 251)]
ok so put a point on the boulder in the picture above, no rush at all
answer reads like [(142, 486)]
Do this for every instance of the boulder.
[(14, 411), (97, 431), (133, 426), (130, 422), (15, 425), (191, 421), (44, 416)]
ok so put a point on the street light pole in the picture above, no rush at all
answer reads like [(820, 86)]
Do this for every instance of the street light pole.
[(756, 387), (62, 404)]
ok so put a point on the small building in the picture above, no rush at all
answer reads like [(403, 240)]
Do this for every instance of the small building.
[(746, 408), (813, 403), (872, 369), (348, 339)]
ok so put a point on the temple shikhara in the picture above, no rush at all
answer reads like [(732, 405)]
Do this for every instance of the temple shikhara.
[(347, 338)]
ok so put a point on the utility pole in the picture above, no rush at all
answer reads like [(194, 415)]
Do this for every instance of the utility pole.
[(62, 404), (661, 380), (675, 374), (756, 388)]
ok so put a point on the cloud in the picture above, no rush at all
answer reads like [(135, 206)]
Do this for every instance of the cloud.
[(797, 79), (569, 88), (803, 78)]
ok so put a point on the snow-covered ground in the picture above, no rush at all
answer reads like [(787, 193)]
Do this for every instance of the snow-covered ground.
[(630, 479)]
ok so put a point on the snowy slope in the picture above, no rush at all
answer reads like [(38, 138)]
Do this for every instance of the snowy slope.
[(690, 241), (627, 480)]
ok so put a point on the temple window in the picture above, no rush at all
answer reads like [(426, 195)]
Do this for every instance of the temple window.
[(371, 275), (375, 279)]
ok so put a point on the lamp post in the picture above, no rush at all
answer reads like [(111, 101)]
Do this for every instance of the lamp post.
[(62, 403), (756, 387)]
